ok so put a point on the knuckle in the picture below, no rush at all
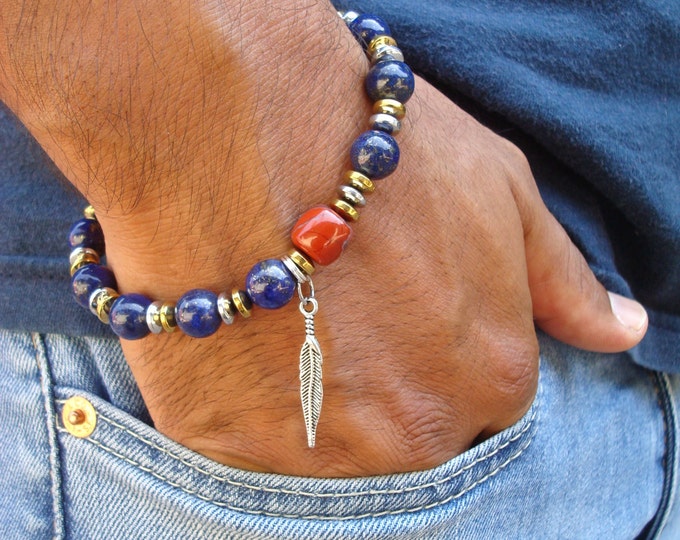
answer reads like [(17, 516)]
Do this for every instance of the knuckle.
[(515, 373)]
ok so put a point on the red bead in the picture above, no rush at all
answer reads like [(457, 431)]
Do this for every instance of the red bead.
[(321, 234)]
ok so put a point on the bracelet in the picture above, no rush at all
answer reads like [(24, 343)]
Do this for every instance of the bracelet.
[(319, 236)]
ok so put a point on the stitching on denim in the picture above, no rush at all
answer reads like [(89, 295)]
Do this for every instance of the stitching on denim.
[(314, 516), (285, 491), (666, 404), (55, 472)]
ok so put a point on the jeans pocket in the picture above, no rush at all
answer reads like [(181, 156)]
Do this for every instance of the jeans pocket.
[(149, 483)]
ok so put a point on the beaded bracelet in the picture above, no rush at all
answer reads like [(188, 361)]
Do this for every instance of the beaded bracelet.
[(318, 237)]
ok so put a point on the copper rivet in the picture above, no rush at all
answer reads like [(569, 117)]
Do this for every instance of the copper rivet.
[(76, 417), (79, 417)]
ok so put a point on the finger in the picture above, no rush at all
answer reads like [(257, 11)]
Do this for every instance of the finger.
[(568, 301)]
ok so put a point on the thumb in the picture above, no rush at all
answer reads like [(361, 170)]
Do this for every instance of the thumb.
[(568, 301)]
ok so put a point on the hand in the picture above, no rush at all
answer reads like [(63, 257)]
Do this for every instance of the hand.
[(426, 321)]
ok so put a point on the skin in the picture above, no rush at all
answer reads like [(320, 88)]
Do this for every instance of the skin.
[(201, 130)]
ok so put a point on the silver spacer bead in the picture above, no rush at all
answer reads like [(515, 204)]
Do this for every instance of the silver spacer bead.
[(82, 251), (387, 50), (226, 308), (102, 311), (352, 195), (298, 274), (153, 317), (92, 302), (348, 16), (385, 122)]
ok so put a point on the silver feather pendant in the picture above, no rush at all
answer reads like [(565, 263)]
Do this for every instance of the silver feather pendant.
[(311, 361)]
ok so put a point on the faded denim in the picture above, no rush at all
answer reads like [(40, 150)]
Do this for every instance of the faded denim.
[(595, 457)]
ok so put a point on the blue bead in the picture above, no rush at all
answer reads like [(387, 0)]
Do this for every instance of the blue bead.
[(87, 279), (270, 284), (390, 80), (196, 313), (87, 233), (128, 316), (374, 153), (366, 27)]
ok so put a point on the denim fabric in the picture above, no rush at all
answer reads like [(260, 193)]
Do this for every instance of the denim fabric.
[(595, 457)]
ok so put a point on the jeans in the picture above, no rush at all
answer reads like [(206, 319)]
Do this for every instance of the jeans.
[(594, 457)]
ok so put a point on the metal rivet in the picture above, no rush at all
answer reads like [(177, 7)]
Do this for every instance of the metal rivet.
[(79, 417)]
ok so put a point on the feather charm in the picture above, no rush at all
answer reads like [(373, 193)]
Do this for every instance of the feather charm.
[(311, 390), (311, 360)]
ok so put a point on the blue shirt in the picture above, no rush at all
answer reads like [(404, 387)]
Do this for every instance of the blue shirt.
[(590, 91)]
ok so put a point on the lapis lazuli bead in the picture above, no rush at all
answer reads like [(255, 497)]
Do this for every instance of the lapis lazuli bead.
[(270, 284), (196, 313), (128, 316), (366, 27), (87, 279), (390, 80), (375, 154), (87, 233)]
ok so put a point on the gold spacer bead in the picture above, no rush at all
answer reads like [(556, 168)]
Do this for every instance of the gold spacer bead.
[(166, 316), (242, 303), (378, 41), (359, 181), (390, 106), (104, 303), (83, 259), (346, 210), (89, 212), (301, 261)]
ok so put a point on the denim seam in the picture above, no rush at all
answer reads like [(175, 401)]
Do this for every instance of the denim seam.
[(314, 516), (668, 409), (237, 484), (48, 400)]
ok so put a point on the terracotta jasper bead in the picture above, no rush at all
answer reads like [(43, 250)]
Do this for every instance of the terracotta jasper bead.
[(321, 234)]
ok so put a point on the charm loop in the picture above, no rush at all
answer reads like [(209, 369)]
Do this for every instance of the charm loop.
[(303, 297)]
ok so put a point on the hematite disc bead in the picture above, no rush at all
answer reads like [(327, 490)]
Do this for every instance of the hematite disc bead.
[(270, 284), (294, 269), (375, 154), (87, 279), (390, 106), (378, 42), (153, 317), (348, 16), (385, 122), (81, 257), (382, 53), (167, 316), (101, 301), (390, 80), (366, 27), (346, 210), (359, 181), (87, 233), (303, 262), (242, 303), (196, 313), (226, 308), (352, 195), (128, 316), (88, 212)]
